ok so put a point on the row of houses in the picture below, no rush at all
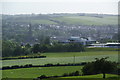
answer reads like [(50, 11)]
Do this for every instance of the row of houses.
[(74, 39)]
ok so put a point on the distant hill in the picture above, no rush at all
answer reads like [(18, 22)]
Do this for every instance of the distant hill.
[(75, 19), (100, 27)]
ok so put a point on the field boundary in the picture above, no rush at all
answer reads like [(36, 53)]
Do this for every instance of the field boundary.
[(46, 65)]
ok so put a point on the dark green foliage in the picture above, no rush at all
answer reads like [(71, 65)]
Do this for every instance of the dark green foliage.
[(42, 76), (71, 47), (99, 66), (35, 48), (76, 73), (65, 75), (43, 48), (8, 48), (18, 51), (39, 48), (45, 65), (75, 47), (11, 48)]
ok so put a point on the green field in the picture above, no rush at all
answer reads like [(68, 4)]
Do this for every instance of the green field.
[(40, 21), (48, 71), (88, 20), (66, 57), (54, 58), (72, 19), (89, 77), (36, 72)]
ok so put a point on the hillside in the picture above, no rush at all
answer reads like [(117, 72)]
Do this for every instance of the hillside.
[(88, 20), (100, 27), (75, 19)]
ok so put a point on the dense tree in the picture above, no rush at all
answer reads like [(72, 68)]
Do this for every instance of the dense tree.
[(8, 48), (99, 66), (72, 47), (43, 48), (36, 48), (18, 51), (11, 48)]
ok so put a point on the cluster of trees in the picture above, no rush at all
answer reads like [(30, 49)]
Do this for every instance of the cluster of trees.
[(100, 66), (10, 48), (71, 47)]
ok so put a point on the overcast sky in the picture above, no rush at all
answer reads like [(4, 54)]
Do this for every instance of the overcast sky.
[(59, 6)]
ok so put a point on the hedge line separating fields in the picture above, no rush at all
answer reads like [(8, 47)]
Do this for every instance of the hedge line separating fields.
[(23, 57), (46, 65)]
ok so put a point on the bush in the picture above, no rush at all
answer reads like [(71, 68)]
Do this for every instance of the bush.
[(15, 66), (76, 73), (47, 65), (71, 47), (43, 76), (6, 67), (65, 75)]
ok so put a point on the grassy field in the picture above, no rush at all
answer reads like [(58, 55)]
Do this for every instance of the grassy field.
[(90, 77), (48, 71), (88, 20), (66, 57), (72, 19), (36, 72), (40, 21)]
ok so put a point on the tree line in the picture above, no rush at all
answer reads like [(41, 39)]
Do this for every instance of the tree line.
[(10, 48)]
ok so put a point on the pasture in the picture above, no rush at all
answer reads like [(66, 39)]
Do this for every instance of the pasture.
[(88, 20), (54, 58), (89, 77), (37, 71), (65, 57), (74, 19)]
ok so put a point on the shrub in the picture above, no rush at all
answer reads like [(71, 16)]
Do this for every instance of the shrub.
[(65, 74), (76, 73), (43, 76)]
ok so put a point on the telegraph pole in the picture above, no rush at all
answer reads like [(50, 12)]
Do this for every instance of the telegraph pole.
[(74, 59)]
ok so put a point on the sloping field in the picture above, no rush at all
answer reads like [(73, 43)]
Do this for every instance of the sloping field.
[(66, 57), (89, 77), (36, 72), (88, 20), (70, 19)]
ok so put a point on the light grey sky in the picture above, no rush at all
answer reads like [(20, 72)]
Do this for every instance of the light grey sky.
[(59, 6)]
